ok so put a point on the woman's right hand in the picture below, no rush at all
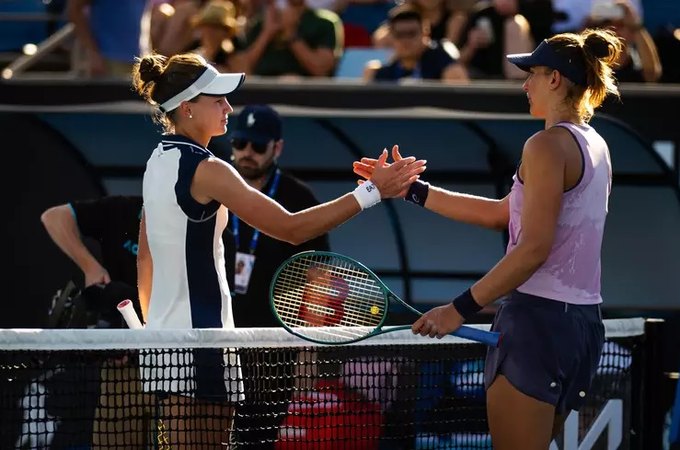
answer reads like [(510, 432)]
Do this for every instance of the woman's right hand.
[(364, 167), (392, 179)]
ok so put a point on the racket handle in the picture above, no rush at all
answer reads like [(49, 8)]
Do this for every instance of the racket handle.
[(490, 338), (128, 311)]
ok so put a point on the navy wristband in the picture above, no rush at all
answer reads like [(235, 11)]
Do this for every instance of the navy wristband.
[(417, 193), (466, 305)]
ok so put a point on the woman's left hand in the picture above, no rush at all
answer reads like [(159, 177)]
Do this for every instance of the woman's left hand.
[(438, 322), (393, 180), (366, 167)]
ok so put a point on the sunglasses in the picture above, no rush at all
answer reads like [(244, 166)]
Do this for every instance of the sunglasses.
[(258, 147)]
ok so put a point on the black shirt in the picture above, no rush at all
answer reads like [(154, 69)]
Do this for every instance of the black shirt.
[(114, 223), (433, 61), (252, 308), (487, 62)]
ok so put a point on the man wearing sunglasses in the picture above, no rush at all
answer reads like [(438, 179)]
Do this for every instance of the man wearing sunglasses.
[(256, 144)]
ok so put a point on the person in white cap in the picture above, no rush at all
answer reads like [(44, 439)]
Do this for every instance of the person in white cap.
[(181, 275)]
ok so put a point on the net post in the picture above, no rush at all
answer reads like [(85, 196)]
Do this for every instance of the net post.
[(651, 385)]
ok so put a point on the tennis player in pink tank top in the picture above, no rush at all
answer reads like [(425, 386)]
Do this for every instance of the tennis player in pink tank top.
[(549, 278)]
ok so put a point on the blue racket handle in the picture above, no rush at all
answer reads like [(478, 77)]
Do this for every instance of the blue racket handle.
[(475, 334)]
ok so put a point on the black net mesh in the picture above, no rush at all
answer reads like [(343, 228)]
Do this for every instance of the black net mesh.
[(361, 397)]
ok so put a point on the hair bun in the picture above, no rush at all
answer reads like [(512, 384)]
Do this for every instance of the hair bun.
[(151, 68), (599, 45)]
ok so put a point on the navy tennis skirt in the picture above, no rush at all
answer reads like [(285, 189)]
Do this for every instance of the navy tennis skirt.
[(550, 350)]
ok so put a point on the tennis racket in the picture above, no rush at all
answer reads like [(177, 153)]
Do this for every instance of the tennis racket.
[(328, 298)]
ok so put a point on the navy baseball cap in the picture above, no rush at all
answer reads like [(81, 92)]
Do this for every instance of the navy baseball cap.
[(546, 55), (257, 123)]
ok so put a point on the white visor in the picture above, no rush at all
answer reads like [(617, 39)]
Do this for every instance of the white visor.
[(210, 82)]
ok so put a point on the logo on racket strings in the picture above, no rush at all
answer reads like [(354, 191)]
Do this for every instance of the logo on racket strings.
[(323, 300)]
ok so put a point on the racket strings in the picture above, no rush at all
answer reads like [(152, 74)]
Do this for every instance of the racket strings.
[(362, 294), (322, 291)]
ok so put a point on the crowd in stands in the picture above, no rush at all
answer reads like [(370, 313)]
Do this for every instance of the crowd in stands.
[(455, 41)]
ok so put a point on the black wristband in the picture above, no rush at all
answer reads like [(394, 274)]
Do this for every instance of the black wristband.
[(466, 305), (417, 193)]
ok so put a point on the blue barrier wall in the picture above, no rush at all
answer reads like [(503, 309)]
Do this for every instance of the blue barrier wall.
[(423, 257)]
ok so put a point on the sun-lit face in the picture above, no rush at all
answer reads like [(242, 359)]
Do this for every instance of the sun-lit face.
[(537, 89), (408, 38), (209, 114)]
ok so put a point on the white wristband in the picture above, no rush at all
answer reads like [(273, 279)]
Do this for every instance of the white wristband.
[(367, 195)]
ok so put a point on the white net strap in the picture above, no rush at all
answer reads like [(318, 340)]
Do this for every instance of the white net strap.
[(96, 339)]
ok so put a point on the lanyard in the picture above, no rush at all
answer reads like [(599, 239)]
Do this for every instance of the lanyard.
[(256, 233)]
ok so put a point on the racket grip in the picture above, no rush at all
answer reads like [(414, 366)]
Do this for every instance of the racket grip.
[(490, 338), (128, 312)]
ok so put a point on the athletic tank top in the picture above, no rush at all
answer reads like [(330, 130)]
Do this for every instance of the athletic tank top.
[(571, 273), (189, 287)]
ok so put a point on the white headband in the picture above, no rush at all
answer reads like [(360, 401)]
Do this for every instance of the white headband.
[(210, 82)]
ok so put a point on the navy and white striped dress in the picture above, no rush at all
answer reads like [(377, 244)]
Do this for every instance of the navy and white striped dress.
[(190, 288)]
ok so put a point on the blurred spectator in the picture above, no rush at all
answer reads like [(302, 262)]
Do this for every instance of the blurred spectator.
[(247, 10), (216, 26), (541, 17), (416, 55), (171, 28), (111, 32), (362, 17), (289, 38), (571, 16), (639, 62), (445, 23), (667, 40), (494, 29)]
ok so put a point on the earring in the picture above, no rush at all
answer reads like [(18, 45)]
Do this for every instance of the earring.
[(190, 116)]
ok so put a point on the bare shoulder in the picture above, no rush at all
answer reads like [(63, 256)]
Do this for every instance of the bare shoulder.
[(546, 143), (214, 164), (215, 172)]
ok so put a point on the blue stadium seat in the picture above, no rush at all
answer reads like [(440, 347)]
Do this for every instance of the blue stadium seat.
[(353, 60)]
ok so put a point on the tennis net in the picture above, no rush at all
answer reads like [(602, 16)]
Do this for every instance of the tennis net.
[(80, 389)]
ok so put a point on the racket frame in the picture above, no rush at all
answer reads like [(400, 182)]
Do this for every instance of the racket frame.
[(490, 338)]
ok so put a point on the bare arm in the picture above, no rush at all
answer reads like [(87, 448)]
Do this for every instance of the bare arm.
[(635, 33), (75, 10), (61, 225), (215, 179), (370, 70), (649, 57), (318, 62), (144, 270), (485, 212), (456, 26), (517, 40), (543, 168), (455, 73), (247, 59), (178, 33), (482, 211)]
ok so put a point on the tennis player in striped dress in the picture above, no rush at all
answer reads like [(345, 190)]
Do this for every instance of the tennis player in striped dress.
[(181, 268)]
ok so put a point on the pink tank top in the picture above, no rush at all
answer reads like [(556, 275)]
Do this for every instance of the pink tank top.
[(571, 273)]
